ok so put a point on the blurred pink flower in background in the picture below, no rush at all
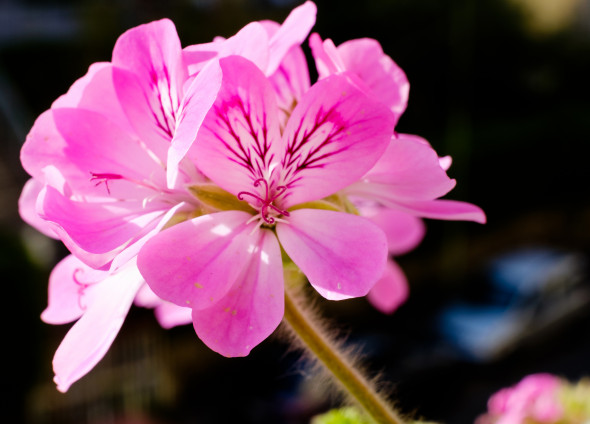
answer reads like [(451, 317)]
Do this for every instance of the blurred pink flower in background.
[(535, 399)]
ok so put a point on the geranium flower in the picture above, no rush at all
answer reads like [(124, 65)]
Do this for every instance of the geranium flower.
[(535, 399), (227, 266), (408, 179), (109, 172)]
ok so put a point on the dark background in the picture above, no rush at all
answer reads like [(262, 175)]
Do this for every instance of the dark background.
[(501, 86)]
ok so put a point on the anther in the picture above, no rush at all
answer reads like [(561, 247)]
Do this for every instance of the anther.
[(104, 178)]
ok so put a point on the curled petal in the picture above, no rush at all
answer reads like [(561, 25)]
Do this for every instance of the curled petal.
[(28, 210), (391, 290), (91, 336), (252, 309), (96, 228), (342, 255), (292, 33)]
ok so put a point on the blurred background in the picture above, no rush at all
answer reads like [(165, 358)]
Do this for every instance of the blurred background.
[(500, 85)]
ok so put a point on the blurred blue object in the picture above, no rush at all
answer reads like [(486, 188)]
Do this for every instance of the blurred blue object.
[(530, 290)]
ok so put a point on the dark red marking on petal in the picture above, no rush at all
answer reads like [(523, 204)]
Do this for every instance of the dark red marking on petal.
[(296, 160), (167, 121), (253, 156)]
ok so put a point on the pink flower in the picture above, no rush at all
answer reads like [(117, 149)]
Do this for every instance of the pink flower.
[(409, 178), (534, 399), (109, 172), (227, 266)]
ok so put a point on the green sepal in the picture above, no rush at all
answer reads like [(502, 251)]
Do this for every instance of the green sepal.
[(335, 203), (218, 199)]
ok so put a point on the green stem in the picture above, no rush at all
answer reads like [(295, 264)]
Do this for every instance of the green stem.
[(299, 319)]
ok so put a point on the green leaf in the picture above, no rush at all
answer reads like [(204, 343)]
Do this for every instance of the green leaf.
[(346, 415)]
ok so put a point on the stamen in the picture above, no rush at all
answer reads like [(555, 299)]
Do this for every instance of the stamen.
[(266, 203), (82, 287), (104, 178)]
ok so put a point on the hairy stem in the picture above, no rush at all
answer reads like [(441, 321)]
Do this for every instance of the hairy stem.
[(301, 321)]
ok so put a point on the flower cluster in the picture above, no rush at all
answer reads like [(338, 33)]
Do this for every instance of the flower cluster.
[(183, 180), (540, 399)]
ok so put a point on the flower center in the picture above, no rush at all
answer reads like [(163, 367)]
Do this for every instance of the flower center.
[(265, 205)]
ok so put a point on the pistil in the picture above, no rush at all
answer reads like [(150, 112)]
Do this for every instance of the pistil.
[(266, 203)]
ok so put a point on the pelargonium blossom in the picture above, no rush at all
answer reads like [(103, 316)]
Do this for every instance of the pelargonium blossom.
[(535, 399), (407, 181), (227, 266), (109, 172)]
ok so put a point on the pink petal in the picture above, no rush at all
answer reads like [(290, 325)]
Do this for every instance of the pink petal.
[(78, 92), (290, 82), (90, 338), (170, 315), (235, 145), (96, 228), (452, 210), (146, 298), (97, 146), (252, 309), (71, 284), (144, 113), (404, 231), (28, 211), (152, 51), (195, 263), (45, 146), (96, 91), (251, 42), (365, 58), (334, 136), (292, 33), (410, 170), (445, 162), (327, 58), (133, 249), (342, 255), (391, 290), (199, 97)]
